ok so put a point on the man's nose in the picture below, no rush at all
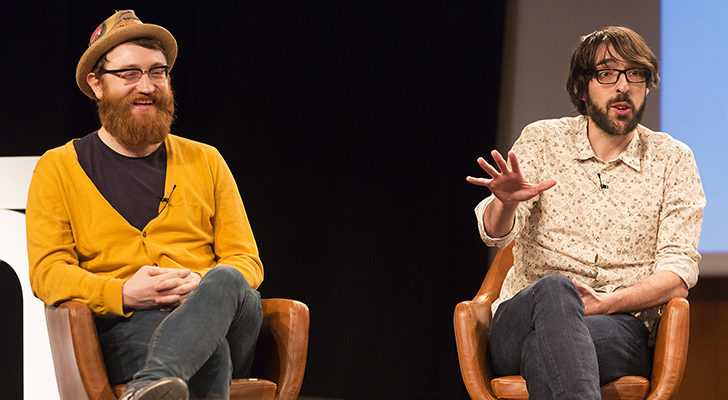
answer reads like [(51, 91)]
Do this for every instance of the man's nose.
[(622, 84), (145, 84)]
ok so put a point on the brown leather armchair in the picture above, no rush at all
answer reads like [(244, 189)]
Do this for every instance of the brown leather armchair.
[(472, 323), (280, 358)]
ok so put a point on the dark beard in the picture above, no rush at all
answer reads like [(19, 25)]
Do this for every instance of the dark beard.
[(137, 129), (602, 120)]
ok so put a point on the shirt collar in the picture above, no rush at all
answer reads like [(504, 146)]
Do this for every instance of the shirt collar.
[(630, 155)]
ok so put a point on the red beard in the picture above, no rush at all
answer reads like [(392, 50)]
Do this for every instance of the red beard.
[(133, 129)]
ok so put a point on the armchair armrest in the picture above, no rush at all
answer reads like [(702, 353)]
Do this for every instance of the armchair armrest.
[(472, 324), (283, 345), (671, 349), (77, 357)]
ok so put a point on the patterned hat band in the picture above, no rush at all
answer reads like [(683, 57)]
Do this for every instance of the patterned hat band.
[(116, 21)]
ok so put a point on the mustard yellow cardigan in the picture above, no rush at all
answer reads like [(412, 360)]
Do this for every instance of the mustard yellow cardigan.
[(80, 248)]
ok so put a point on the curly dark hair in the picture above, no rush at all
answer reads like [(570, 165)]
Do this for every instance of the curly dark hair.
[(627, 43)]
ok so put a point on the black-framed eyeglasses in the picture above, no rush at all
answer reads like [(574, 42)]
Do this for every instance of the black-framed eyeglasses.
[(633, 75), (133, 75)]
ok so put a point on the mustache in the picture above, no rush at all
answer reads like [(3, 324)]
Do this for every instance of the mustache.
[(621, 98), (133, 98)]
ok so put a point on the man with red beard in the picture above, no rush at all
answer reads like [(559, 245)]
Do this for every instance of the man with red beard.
[(147, 228), (604, 236)]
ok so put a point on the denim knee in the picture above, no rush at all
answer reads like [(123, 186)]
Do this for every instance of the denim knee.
[(558, 289), (229, 280), (226, 274), (556, 283)]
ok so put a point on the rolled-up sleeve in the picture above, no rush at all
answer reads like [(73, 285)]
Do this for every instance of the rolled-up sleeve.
[(488, 240), (681, 219)]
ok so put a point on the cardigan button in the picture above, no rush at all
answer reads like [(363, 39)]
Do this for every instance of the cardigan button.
[(144, 234)]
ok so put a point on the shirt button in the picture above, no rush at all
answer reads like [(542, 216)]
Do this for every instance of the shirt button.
[(144, 234)]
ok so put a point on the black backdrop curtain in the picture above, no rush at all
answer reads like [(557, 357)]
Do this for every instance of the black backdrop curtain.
[(349, 126)]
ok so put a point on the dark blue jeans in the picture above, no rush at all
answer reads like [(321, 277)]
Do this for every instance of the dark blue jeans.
[(206, 341), (542, 334)]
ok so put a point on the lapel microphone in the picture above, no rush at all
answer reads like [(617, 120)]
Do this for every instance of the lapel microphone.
[(601, 185), (166, 199)]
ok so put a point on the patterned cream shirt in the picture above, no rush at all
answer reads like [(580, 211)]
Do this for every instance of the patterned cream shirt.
[(607, 224)]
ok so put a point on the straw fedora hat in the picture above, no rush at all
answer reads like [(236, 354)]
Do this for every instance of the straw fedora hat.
[(119, 28)]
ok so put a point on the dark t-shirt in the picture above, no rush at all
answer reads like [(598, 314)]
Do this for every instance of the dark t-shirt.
[(134, 186)]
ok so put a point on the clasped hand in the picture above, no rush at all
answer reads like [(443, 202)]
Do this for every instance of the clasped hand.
[(157, 287), (508, 185)]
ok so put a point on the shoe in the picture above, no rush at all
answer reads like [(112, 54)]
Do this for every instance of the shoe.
[(163, 389)]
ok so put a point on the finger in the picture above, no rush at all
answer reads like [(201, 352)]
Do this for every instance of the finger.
[(168, 284), (180, 272), (583, 289), (187, 288), (578, 284), (479, 181), (545, 185), (580, 288), (171, 273), (170, 300), (499, 161), (147, 268), (172, 306), (156, 271), (173, 300), (515, 166), (193, 277), (181, 290), (487, 167)]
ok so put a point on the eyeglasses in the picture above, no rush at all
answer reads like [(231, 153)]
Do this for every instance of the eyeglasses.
[(633, 75), (134, 75)]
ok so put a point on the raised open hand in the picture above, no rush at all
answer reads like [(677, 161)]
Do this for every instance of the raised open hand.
[(508, 185)]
